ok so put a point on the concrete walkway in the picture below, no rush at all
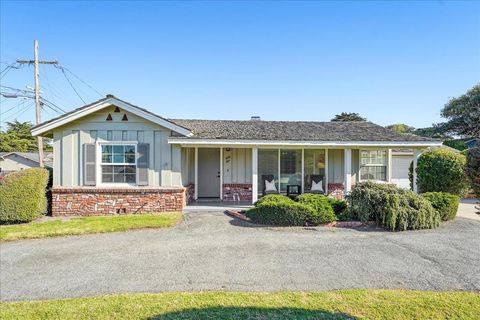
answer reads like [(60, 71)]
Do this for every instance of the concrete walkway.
[(211, 251)]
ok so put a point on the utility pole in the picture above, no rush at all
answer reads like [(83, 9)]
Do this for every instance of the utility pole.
[(38, 115)]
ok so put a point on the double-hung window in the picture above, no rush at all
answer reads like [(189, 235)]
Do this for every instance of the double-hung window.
[(119, 163), (373, 165)]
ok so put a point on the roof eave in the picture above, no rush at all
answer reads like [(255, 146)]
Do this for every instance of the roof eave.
[(48, 126), (240, 142)]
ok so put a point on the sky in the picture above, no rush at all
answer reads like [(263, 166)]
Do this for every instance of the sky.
[(391, 62)]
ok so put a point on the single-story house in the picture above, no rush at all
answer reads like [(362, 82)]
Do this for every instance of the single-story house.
[(111, 156), (16, 161)]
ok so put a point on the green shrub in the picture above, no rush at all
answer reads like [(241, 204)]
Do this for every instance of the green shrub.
[(392, 207), (339, 206), (442, 170), (445, 203), (22, 195), (282, 213), (275, 198), (321, 204)]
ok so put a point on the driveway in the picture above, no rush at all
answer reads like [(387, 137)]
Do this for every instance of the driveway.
[(210, 251)]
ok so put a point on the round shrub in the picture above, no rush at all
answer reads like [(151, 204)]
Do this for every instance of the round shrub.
[(442, 170), (321, 204), (275, 198), (392, 207), (22, 195), (281, 213), (339, 206), (445, 203)]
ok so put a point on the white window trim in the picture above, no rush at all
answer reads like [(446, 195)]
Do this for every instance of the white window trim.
[(99, 164), (372, 165)]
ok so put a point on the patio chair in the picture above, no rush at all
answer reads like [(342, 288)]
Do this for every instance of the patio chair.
[(317, 178), (269, 178)]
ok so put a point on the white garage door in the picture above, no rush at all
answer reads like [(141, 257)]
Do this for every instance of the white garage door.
[(400, 166)]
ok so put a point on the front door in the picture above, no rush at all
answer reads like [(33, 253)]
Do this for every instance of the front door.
[(208, 173)]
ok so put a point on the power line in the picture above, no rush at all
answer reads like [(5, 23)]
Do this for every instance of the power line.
[(68, 70), (71, 84)]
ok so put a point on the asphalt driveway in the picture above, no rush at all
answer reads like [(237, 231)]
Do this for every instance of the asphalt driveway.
[(210, 251)]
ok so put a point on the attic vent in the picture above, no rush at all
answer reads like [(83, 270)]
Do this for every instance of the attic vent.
[(124, 118), (117, 109), (255, 118), (109, 117)]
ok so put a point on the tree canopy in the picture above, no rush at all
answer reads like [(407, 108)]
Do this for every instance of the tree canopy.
[(463, 114), (17, 137), (348, 116), (400, 128)]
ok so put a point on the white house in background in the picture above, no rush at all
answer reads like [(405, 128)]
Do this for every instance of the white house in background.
[(111, 156), (15, 161)]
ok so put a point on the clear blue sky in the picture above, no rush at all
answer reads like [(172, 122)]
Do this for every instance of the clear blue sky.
[(391, 62)]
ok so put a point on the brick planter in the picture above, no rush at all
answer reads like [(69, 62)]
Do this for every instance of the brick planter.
[(237, 192), (87, 201)]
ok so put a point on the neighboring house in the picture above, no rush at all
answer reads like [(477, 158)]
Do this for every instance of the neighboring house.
[(473, 143), (15, 161), (113, 157)]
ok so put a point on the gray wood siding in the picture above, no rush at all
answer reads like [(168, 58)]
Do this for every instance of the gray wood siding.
[(164, 165), (237, 165)]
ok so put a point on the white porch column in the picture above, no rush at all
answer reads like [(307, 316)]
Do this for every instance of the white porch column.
[(348, 170), (389, 165), (416, 153), (221, 174), (326, 171), (195, 195), (254, 174), (303, 171)]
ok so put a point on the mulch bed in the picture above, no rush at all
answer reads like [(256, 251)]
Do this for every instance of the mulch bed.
[(337, 224)]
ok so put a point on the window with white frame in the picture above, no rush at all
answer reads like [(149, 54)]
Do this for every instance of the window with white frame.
[(373, 165), (119, 163)]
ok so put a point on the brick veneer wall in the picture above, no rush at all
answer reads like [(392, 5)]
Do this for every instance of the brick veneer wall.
[(237, 192), (336, 190), (90, 201), (190, 193)]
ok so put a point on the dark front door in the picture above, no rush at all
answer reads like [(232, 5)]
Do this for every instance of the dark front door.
[(208, 173)]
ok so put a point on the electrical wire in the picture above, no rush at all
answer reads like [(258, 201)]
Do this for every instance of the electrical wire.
[(71, 84), (68, 70)]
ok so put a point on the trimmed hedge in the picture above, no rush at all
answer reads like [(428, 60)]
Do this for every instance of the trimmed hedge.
[(392, 207), (22, 195), (275, 198), (282, 213), (442, 170), (473, 169), (445, 203), (321, 204)]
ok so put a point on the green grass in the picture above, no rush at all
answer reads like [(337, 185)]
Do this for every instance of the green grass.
[(78, 226), (344, 304)]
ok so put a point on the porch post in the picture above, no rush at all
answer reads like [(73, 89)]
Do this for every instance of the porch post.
[(416, 153), (221, 174), (303, 171), (326, 171), (254, 174), (195, 195), (389, 165), (348, 170)]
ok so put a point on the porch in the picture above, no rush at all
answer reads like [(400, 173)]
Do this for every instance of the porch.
[(236, 174)]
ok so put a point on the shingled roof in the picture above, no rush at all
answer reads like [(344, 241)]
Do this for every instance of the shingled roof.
[(292, 130)]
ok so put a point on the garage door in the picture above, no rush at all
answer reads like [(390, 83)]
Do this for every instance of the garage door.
[(400, 166)]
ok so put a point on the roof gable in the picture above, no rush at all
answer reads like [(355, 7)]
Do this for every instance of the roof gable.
[(108, 101)]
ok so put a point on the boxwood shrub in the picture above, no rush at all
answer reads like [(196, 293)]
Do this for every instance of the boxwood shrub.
[(392, 207), (442, 170), (445, 203), (22, 195), (321, 204), (282, 213)]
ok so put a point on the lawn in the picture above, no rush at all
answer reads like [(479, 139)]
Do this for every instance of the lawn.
[(344, 304), (78, 226)]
